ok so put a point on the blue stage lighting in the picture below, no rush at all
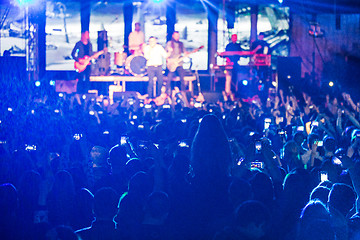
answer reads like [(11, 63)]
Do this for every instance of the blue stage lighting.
[(157, 1), (245, 82), (25, 2), (37, 83), (52, 83)]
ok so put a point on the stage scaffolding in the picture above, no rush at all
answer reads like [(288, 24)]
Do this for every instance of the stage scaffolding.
[(31, 46)]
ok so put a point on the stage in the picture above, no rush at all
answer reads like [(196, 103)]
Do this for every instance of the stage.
[(119, 83)]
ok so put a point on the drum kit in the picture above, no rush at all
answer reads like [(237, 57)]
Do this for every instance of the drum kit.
[(133, 64)]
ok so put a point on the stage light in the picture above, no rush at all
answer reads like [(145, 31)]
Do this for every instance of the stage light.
[(10, 109), (331, 83), (25, 2), (32, 111), (288, 76), (157, 1), (61, 95), (52, 83), (281, 1), (261, 87), (37, 83), (245, 82), (183, 144), (274, 83)]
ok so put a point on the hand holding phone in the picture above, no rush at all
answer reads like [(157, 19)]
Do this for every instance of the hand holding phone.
[(256, 165), (323, 176), (300, 128), (258, 146)]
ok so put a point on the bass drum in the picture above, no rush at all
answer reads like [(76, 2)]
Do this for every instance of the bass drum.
[(136, 65)]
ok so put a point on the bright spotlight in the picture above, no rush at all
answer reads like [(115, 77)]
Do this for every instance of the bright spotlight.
[(37, 83), (331, 83), (52, 83), (245, 82), (25, 2), (289, 76), (157, 1)]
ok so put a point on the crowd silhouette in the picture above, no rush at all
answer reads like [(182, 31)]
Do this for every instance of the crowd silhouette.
[(283, 167)]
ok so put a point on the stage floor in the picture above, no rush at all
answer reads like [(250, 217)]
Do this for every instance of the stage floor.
[(122, 80)]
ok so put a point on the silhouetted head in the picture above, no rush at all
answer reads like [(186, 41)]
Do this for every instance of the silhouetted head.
[(342, 198), (98, 156), (85, 36), (234, 38), (261, 36), (176, 36), (329, 144), (8, 200), (210, 153), (240, 191), (157, 205), (253, 219), (321, 193), (117, 156), (137, 27), (315, 223), (105, 203)]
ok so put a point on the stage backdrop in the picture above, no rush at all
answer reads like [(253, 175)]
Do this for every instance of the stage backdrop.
[(63, 29)]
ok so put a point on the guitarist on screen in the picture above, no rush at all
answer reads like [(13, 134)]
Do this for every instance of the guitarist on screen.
[(81, 53), (176, 49)]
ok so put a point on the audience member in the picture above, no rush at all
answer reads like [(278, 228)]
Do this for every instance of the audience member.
[(105, 208)]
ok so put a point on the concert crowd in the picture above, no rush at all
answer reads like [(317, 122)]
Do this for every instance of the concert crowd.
[(281, 167)]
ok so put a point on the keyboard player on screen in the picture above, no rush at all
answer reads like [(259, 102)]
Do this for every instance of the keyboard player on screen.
[(261, 48), (231, 76)]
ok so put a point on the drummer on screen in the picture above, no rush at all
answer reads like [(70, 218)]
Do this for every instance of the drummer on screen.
[(136, 40), (155, 55)]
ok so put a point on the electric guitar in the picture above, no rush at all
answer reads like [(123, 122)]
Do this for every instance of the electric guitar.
[(173, 63), (81, 65)]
